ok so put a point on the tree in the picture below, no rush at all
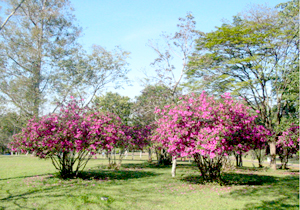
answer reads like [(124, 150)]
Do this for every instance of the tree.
[(288, 144), (42, 63), (179, 47), (116, 104), (153, 96), (34, 43), (94, 72), (69, 138), (208, 130), (252, 57), (10, 123), (140, 138)]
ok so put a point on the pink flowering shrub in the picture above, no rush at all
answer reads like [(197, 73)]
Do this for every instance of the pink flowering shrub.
[(135, 137), (69, 138), (288, 144), (208, 130), (140, 136)]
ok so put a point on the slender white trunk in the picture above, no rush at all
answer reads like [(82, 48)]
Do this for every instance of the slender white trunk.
[(174, 162), (126, 154), (140, 155)]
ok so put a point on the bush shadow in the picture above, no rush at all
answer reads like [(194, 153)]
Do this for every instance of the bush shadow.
[(232, 178), (107, 174), (55, 188)]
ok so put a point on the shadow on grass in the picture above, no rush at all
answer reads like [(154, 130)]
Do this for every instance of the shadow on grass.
[(248, 179), (23, 177), (114, 174), (233, 178), (262, 191), (251, 169), (56, 188), (143, 165), (279, 195), (54, 192)]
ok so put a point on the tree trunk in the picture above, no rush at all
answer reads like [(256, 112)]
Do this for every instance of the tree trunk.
[(273, 155), (239, 161), (210, 168), (164, 158), (174, 162), (149, 155), (259, 154), (284, 161)]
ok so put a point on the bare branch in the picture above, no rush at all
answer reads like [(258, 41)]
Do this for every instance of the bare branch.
[(11, 14)]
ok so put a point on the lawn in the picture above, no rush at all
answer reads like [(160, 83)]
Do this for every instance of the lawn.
[(27, 182)]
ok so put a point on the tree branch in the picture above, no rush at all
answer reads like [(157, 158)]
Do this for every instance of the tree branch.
[(13, 12)]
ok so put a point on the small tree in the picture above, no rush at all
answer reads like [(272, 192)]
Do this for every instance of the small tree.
[(208, 130), (288, 144), (260, 146), (153, 96), (135, 137), (69, 138)]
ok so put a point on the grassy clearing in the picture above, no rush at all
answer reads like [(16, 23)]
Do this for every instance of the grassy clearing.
[(29, 183)]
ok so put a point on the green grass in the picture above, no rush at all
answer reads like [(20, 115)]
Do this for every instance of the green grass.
[(30, 183)]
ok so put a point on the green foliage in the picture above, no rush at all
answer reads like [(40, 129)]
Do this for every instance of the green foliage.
[(256, 57), (10, 124), (152, 96), (116, 104)]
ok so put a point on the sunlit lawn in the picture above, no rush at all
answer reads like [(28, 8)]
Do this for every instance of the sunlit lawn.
[(29, 183)]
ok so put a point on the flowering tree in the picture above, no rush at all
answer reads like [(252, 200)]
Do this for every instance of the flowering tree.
[(260, 145), (69, 138), (288, 144), (208, 130), (135, 137)]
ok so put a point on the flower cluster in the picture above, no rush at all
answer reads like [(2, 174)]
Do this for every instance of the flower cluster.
[(288, 141), (209, 127), (73, 129)]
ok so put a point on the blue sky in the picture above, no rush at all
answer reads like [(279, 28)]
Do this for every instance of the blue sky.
[(131, 23)]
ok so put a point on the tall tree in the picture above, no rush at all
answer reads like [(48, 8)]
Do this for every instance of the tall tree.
[(252, 57), (41, 61), (175, 47), (152, 96), (34, 45)]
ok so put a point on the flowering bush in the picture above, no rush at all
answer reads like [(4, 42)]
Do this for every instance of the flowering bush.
[(135, 137), (207, 129), (69, 138), (288, 144)]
